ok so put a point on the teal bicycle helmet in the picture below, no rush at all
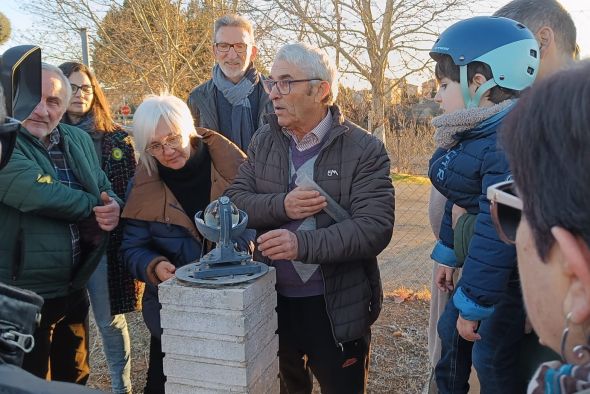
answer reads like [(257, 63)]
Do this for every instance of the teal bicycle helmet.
[(506, 46)]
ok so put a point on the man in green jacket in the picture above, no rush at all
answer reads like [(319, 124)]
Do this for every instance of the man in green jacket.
[(56, 205)]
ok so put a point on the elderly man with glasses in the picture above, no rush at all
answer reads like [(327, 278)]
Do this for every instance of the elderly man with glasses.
[(56, 206), (317, 189), (233, 101)]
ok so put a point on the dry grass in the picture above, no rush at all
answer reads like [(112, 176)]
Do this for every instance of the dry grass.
[(403, 293), (399, 360)]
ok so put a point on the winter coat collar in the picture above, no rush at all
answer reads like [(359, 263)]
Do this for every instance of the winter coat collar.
[(151, 200), (338, 124), (450, 128)]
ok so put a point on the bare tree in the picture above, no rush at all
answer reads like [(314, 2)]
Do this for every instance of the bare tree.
[(356, 104), (371, 40), (137, 46)]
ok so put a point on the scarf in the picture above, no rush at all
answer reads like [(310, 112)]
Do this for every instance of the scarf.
[(448, 126), (554, 377), (87, 124), (191, 184), (237, 96)]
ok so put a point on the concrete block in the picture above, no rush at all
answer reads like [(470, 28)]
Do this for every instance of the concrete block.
[(222, 347), (215, 320), (220, 371), (268, 383), (220, 340), (234, 297)]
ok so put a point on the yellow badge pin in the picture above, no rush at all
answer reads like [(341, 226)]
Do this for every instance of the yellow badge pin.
[(117, 154), (44, 179)]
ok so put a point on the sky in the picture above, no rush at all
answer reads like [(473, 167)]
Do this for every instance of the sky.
[(579, 9)]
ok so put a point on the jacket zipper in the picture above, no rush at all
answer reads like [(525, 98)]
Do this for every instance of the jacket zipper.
[(338, 344), (328, 143)]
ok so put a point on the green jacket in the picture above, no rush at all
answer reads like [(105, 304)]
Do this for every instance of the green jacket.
[(36, 210)]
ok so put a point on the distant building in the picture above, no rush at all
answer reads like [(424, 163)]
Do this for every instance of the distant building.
[(401, 92), (428, 88)]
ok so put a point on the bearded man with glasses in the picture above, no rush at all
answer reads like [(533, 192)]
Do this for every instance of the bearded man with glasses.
[(233, 101), (317, 190)]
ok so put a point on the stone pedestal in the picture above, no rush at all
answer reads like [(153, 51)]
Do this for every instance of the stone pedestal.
[(222, 339)]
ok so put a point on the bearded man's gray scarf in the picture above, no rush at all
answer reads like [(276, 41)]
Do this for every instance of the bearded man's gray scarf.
[(237, 96)]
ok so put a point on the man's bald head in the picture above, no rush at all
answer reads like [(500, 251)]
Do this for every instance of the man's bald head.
[(553, 27)]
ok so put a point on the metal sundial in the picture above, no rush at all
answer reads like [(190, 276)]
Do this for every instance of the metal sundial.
[(220, 223)]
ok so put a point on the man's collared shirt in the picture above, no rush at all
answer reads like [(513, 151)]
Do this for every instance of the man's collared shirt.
[(315, 136), (67, 177)]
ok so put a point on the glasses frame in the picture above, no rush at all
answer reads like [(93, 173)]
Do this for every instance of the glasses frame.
[(172, 141), (502, 193), (85, 89), (273, 83), (230, 46)]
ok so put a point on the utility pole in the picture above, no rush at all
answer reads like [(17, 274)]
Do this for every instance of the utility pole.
[(84, 37)]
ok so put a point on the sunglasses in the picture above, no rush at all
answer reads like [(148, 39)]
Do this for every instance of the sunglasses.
[(506, 209)]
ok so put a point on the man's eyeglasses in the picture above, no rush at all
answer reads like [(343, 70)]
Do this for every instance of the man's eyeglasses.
[(86, 89), (173, 141), (506, 209), (239, 47), (283, 85)]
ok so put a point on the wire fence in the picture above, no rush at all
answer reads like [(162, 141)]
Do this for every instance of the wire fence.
[(406, 261)]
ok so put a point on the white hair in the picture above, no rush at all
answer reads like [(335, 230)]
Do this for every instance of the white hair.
[(173, 111), (64, 80), (314, 62)]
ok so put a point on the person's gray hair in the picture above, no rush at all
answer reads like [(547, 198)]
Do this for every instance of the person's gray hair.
[(234, 20), (169, 108), (535, 14), (64, 80), (314, 63)]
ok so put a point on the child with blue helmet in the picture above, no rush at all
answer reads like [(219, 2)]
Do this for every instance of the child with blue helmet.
[(482, 64)]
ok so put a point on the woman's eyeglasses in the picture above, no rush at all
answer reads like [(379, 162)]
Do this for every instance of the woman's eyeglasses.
[(506, 209), (157, 148), (86, 89)]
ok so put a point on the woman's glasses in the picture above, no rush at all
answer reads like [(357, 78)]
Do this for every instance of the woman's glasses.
[(506, 209), (173, 141), (86, 89)]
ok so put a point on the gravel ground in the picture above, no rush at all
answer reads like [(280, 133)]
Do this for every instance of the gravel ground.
[(140, 352)]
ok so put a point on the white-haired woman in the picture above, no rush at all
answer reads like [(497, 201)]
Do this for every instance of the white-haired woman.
[(181, 169)]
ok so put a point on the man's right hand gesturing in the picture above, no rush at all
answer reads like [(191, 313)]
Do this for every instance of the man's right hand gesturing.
[(302, 202)]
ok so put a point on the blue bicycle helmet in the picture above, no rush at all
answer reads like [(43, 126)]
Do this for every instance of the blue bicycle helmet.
[(506, 46)]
